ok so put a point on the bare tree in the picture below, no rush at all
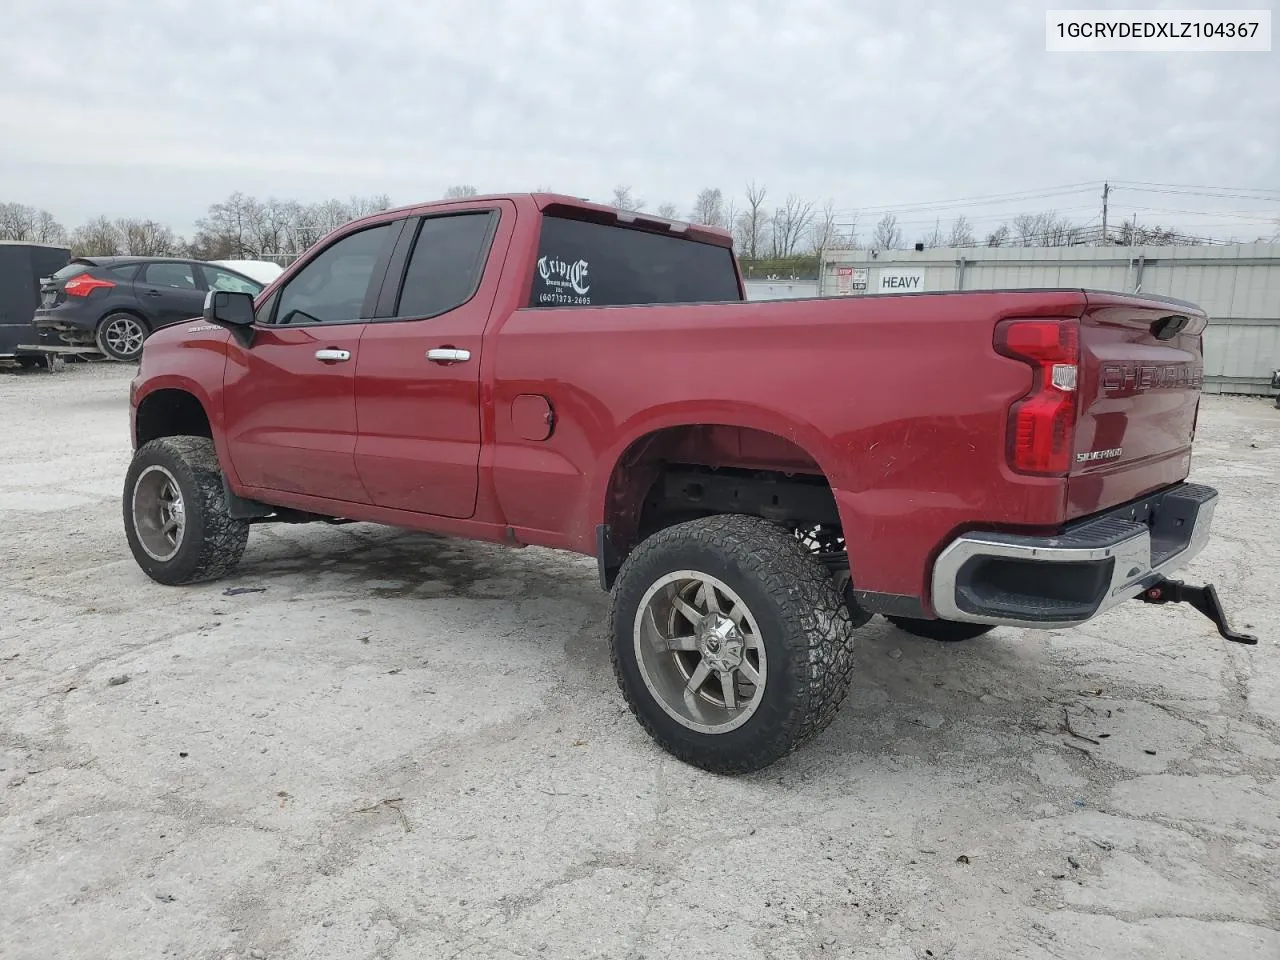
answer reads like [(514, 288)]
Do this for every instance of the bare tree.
[(245, 227), (1132, 235), (1045, 229), (332, 214), (460, 191), (147, 238), (751, 223), (789, 224), (623, 199), (887, 235), (934, 237), (363, 206), (21, 222), (18, 221), (226, 232), (306, 224), (822, 234), (1027, 227), (98, 237), (668, 211), (708, 208), (999, 236), (270, 227), (961, 234), (48, 229)]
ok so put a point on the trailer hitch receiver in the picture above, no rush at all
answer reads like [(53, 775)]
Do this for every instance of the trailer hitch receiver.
[(1205, 599)]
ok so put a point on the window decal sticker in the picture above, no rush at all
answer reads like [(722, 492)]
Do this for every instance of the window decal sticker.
[(569, 282)]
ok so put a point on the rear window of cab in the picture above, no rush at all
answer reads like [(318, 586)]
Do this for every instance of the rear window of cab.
[(586, 264)]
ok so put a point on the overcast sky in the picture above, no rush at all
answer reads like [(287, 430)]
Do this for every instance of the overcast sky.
[(157, 109)]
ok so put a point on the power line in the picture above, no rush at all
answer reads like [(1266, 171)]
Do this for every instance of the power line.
[(1016, 197), (1021, 196), (1189, 186), (1214, 195), (1237, 214)]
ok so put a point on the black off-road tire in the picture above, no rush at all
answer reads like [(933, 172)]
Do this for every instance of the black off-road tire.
[(804, 625), (212, 541), (106, 343), (944, 631)]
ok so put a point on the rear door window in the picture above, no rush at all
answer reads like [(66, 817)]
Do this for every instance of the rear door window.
[(445, 265), (177, 275), (581, 263)]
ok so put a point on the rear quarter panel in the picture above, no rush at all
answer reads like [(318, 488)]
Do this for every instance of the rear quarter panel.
[(901, 400)]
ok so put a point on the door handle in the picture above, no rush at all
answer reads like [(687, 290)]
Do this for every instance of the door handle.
[(332, 355), (153, 293), (448, 355)]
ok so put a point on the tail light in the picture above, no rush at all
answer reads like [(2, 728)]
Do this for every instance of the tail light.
[(84, 285), (1042, 424)]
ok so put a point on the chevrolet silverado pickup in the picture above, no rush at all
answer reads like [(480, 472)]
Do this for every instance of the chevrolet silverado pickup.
[(755, 480)]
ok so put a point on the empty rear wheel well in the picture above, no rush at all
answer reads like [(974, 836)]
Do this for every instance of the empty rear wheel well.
[(682, 473), (170, 413)]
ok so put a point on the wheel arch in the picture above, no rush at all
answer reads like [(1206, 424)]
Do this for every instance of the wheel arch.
[(170, 412), (178, 406), (737, 437)]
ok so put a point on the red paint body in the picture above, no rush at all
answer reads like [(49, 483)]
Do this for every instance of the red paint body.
[(901, 402)]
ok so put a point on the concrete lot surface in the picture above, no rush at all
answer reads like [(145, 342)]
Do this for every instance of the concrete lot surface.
[(409, 747)]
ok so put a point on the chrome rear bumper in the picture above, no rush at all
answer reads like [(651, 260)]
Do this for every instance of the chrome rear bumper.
[(1065, 580)]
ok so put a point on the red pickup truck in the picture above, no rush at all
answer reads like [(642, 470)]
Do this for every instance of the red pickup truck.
[(754, 479)]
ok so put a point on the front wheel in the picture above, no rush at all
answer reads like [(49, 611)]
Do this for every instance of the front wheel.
[(945, 631), (175, 513), (120, 337), (730, 642)]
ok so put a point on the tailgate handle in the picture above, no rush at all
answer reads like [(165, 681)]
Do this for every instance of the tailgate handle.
[(1166, 328)]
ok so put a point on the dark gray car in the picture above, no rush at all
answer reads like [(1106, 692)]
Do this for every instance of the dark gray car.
[(110, 305)]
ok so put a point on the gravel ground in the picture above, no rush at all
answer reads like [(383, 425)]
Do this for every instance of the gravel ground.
[(410, 747)]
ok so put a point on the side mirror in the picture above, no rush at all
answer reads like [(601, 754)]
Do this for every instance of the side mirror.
[(232, 309), (229, 308)]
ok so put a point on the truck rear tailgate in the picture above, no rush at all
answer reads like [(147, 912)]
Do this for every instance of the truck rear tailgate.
[(1141, 368)]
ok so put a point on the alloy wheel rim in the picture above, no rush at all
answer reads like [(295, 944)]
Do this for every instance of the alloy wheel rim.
[(700, 652), (123, 335), (159, 513)]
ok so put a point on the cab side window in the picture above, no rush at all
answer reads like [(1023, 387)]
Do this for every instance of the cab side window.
[(332, 287)]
